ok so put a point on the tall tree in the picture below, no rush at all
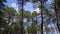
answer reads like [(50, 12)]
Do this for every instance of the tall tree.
[(26, 14), (9, 14), (21, 4), (34, 22), (56, 8), (41, 7), (2, 21)]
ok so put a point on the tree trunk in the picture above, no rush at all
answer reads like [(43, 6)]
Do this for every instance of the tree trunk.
[(21, 23), (56, 13), (33, 26), (42, 17)]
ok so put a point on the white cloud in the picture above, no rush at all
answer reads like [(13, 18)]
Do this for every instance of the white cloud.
[(14, 5), (37, 10)]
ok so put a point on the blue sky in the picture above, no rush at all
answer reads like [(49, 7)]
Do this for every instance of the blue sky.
[(13, 3), (9, 2), (28, 6)]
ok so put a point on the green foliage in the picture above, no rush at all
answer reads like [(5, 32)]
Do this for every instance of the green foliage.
[(41, 6), (26, 14), (14, 24), (10, 10), (18, 15), (34, 14), (31, 29)]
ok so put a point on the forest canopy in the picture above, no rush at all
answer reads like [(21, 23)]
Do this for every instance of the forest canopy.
[(42, 17)]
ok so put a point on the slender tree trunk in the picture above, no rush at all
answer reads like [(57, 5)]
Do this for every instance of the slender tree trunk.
[(21, 23), (28, 26), (56, 13), (33, 24), (42, 17)]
